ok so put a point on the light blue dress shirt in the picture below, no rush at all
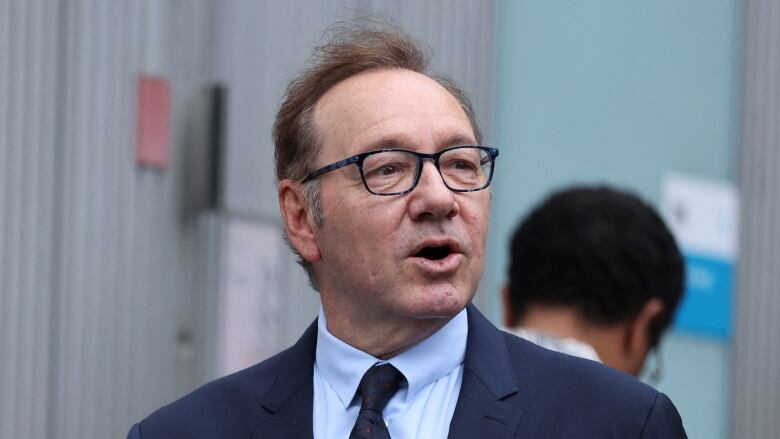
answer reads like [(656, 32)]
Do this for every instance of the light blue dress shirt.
[(433, 370)]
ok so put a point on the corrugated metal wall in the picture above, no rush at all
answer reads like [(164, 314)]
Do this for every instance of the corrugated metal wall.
[(756, 358), (28, 150), (129, 263), (107, 269), (97, 255)]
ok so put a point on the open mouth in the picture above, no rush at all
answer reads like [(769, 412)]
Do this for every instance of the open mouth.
[(434, 253)]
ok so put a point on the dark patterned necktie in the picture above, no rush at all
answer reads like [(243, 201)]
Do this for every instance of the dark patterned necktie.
[(378, 385)]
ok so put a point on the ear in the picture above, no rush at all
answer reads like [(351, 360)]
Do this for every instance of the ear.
[(506, 300), (637, 341), (297, 221)]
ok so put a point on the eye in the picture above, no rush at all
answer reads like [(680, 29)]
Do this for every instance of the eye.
[(387, 170), (460, 164), (381, 167)]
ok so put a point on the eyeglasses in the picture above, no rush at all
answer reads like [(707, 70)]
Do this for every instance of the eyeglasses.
[(394, 171)]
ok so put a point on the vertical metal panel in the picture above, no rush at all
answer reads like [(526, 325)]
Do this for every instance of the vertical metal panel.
[(126, 248), (45, 71), (756, 380), (6, 295), (27, 69), (5, 103), (11, 285)]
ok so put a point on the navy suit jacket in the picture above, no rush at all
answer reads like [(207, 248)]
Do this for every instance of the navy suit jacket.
[(511, 389)]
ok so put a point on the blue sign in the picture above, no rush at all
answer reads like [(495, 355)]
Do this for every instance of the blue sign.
[(706, 306)]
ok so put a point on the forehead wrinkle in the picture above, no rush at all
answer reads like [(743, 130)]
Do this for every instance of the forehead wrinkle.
[(354, 114), (406, 139)]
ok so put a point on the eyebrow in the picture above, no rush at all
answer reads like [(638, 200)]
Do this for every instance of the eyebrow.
[(458, 139), (394, 142)]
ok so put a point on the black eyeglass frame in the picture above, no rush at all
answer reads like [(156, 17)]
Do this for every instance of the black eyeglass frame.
[(358, 160)]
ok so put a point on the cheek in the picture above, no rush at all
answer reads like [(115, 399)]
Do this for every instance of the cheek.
[(363, 229), (477, 218)]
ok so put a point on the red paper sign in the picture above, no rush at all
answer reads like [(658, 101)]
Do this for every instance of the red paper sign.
[(154, 121)]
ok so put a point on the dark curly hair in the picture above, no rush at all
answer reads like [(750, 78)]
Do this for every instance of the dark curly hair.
[(601, 250)]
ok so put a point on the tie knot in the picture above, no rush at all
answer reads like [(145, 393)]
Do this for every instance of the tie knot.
[(378, 385)]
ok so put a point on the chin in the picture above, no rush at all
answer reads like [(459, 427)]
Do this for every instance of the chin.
[(442, 303)]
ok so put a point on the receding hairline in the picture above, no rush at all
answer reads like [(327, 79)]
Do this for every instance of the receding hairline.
[(351, 48), (328, 96)]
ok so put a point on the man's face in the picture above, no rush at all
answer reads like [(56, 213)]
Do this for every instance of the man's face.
[(418, 255)]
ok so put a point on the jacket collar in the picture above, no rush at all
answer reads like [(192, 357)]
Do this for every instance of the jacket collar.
[(288, 403), (488, 378)]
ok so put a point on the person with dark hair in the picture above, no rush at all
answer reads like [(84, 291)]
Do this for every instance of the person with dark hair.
[(383, 190), (594, 272)]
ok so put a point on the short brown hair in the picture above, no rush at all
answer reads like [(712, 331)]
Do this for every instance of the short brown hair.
[(351, 48)]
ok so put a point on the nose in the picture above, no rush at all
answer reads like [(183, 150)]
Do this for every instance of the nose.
[(431, 199)]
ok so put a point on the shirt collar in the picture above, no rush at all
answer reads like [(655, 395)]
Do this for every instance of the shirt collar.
[(566, 345), (343, 366)]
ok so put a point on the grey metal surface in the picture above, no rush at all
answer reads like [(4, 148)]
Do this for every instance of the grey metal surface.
[(107, 277), (97, 257), (756, 355), (27, 149)]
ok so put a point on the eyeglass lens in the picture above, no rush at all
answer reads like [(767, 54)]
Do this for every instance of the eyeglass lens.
[(390, 172)]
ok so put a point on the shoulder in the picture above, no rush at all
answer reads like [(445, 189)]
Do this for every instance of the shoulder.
[(216, 408), (230, 406), (564, 345), (585, 394), (535, 365)]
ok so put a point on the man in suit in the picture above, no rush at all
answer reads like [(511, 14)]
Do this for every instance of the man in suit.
[(383, 192)]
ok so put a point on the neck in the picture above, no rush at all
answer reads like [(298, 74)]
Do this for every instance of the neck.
[(381, 337), (559, 321)]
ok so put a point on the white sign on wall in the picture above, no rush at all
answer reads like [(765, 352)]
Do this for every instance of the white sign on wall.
[(249, 293), (704, 217), (702, 213)]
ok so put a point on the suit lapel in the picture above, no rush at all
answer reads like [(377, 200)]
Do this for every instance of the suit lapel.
[(287, 408), (488, 378), (293, 420)]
